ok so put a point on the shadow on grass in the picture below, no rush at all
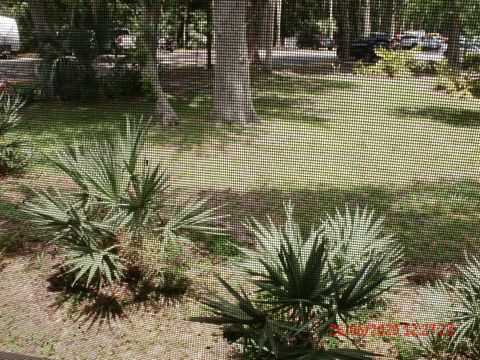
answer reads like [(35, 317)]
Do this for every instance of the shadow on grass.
[(48, 123), (448, 115), (435, 223)]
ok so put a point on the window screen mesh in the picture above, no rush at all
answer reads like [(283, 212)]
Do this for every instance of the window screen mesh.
[(239, 179)]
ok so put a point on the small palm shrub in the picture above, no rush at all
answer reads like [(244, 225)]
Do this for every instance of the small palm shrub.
[(423, 67), (452, 81), (119, 210), (14, 154), (395, 63), (300, 292), (456, 303), (472, 62)]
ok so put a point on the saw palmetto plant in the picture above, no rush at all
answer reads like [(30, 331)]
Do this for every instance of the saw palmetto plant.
[(306, 293), (116, 195), (15, 154), (457, 303)]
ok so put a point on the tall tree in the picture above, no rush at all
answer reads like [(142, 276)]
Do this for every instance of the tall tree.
[(453, 50), (268, 27), (278, 12), (232, 102), (343, 37), (148, 42), (253, 33), (367, 23), (209, 34), (46, 43), (331, 19)]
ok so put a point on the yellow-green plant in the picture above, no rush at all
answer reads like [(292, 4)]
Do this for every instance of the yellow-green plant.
[(395, 63)]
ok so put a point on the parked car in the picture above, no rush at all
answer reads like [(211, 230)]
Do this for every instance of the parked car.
[(9, 36), (432, 43), (124, 40), (363, 48), (408, 42), (315, 41), (166, 44)]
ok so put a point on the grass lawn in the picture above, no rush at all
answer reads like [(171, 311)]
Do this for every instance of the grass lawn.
[(394, 146)]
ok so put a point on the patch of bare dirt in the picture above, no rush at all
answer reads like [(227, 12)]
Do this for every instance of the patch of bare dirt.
[(31, 323)]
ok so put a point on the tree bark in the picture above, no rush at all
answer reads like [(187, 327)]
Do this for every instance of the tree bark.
[(44, 36), (185, 26), (343, 21), (232, 102), (388, 16), (268, 16), (278, 41), (252, 31), (453, 50), (39, 18), (367, 24), (331, 19), (209, 36), (149, 43)]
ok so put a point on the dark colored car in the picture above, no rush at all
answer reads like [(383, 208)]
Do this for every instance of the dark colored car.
[(364, 48), (409, 42), (166, 44), (315, 41)]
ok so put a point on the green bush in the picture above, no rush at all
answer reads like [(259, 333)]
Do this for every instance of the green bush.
[(119, 208), (422, 67), (474, 85), (392, 63), (395, 63), (452, 81), (300, 293), (15, 154), (472, 62), (122, 81)]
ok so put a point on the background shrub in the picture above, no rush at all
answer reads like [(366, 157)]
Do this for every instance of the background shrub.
[(472, 62), (422, 67), (395, 63), (122, 81)]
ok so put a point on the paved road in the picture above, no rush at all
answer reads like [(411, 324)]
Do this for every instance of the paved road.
[(24, 68)]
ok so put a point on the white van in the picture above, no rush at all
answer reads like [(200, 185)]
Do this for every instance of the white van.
[(9, 35)]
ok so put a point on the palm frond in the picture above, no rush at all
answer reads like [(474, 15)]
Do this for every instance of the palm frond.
[(192, 217)]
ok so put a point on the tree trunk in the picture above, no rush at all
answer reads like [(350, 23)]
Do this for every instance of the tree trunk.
[(209, 36), (175, 34), (453, 50), (331, 19), (252, 31), (388, 16), (44, 36), (343, 20), (367, 24), (185, 26), (268, 16), (232, 102), (149, 41), (278, 41), (37, 11)]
